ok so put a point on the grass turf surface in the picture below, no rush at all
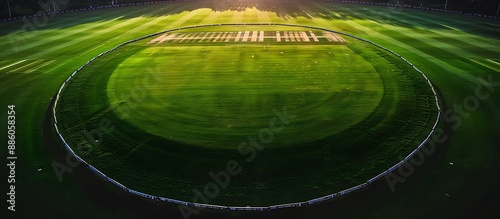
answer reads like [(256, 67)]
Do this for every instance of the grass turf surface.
[(452, 50), (221, 94), (355, 109)]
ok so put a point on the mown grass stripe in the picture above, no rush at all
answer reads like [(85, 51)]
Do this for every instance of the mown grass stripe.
[(427, 53), (486, 65), (185, 17), (45, 63), (172, 10), (101, 34), (23, 68), (210, 18), (459, 44), (237, 17), (424, 40), (468, 39), (50, 36), (13, 64), (263, 16)]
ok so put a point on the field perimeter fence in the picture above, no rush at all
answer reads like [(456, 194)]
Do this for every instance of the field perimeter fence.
[(244, 208)]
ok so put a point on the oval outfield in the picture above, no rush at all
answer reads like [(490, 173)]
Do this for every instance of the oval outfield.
[(223, 93), (356, 108)]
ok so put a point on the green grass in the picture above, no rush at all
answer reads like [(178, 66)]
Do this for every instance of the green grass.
[(450, 58), (186, 108), (240, 85)]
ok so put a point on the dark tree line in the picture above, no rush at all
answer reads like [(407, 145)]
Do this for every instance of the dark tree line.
[(14, 8)]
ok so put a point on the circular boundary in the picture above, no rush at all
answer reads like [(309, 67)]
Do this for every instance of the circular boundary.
[(245, 208)]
